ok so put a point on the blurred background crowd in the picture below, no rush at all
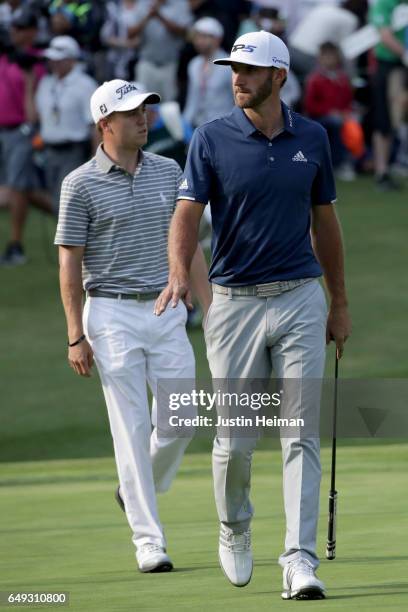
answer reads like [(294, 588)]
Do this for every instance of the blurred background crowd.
[(349, 72)]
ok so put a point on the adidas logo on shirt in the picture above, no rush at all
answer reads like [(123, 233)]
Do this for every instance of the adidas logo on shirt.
[(184, 185), (299, 157)]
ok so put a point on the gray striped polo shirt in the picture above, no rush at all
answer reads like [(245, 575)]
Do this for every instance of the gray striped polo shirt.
[(122, 220)]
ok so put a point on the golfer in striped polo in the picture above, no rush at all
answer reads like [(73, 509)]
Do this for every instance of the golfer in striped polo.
[(112, 232)]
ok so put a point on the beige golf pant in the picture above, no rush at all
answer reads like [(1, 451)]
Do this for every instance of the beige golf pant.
[(248, 337), (133, 347)]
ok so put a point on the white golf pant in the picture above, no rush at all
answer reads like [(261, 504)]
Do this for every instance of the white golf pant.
[(133, 347)]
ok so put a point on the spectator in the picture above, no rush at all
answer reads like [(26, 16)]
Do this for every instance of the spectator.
[(209, 93), (229, 13), (163, 26), (324, 23), (40, 9), (9, 9), (359, 8), (122, 52), (72, 18), (168, 133), (263, 18), (5, 15), (62, 102), (295, 11), (328, 100), (388, 85), (20, 71)]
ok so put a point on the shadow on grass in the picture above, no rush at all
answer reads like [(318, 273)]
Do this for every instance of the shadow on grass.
[(390, 585), (64, 528), (377, 593), (380, 590), (371, 594), (335, 597), (199, 568), (371, 559)]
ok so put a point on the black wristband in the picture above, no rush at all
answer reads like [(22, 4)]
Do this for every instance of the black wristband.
[(77, 341)]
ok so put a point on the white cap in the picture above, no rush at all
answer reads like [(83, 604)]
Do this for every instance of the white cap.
[(63, 47), (119, 96), (258, 49), (209, 26)]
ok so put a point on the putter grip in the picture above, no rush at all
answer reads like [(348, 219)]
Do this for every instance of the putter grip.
[(331, 533)]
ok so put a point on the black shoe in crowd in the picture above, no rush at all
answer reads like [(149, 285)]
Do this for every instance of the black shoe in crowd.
[(385, 182), (13, 255)]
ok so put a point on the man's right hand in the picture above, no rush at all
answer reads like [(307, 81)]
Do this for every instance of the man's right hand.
[(80, 358), (176, 290)]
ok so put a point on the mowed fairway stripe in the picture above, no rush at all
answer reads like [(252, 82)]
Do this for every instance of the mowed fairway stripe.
[(68, 534)]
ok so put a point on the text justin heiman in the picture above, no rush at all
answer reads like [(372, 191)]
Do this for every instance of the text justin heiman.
[(240, 421)]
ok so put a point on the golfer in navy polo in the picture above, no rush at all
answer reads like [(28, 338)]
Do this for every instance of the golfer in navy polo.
[(267, 174)]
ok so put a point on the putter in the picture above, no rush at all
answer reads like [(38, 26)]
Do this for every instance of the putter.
[(331, 532)]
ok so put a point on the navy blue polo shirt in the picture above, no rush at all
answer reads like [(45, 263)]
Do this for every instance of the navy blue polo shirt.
[(261, 192)]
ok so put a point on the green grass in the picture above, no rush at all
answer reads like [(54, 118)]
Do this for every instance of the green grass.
[(48, 412), (62, 530)]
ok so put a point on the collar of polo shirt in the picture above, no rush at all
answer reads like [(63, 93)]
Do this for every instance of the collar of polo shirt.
[(248, 127), (106, 164)]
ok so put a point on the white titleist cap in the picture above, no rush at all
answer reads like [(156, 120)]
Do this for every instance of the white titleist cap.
[(258, 49), (209, 26), (63, 47), (118, 96)]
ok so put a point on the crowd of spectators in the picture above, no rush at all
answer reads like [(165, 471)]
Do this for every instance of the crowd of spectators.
[(54, 53)]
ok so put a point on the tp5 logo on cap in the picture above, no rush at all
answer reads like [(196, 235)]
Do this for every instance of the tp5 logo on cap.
[(246, 48)]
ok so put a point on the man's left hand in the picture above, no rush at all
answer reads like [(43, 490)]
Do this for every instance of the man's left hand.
[(338, 327)]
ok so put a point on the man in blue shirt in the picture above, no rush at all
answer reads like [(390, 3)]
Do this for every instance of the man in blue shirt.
[(267, 174), (209, 93)]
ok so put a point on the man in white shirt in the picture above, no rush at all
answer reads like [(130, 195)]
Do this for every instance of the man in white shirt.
[(324, 23), (162, 25), (294, 11), (209, 93), (62, 103)]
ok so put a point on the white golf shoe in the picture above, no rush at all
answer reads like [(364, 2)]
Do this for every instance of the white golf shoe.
[(236, 556), (301, 582), (153, 558)]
